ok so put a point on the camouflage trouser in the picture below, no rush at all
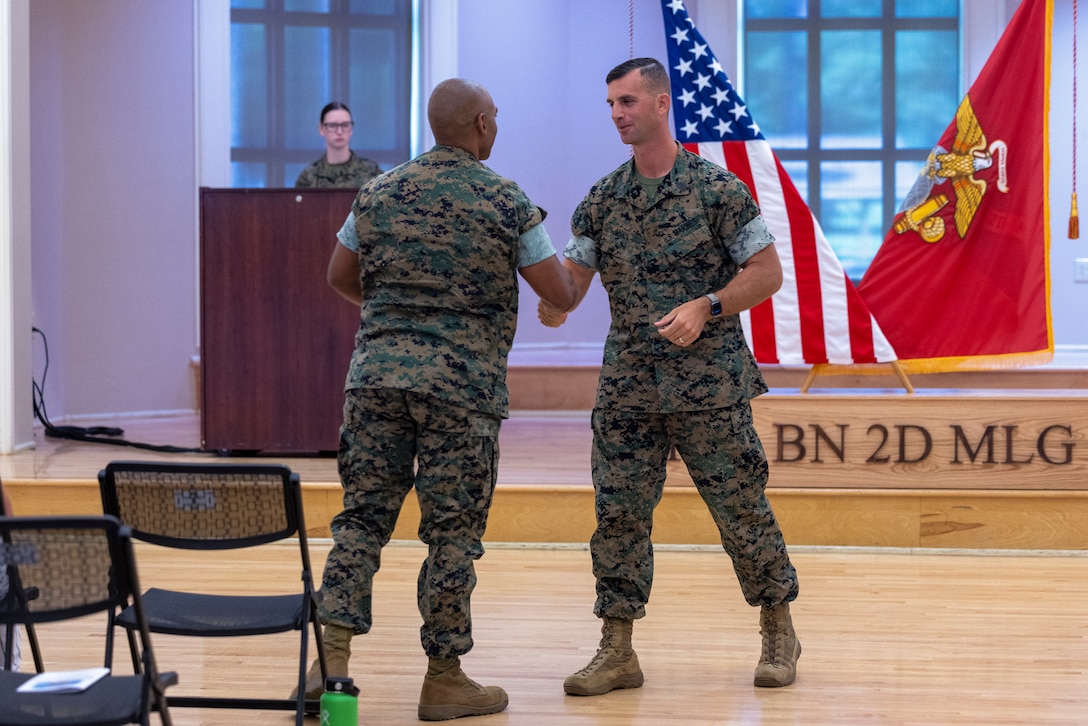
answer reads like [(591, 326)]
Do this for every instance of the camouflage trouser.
[(456, 452), (726, 461)]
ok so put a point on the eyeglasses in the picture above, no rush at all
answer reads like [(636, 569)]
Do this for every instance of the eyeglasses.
[(345, 126)]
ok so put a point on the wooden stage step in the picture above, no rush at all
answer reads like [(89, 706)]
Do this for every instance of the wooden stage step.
[(543, 514), (994, 469), (567, 380)]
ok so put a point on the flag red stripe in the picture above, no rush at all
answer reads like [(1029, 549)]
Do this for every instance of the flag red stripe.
[(861, 328), (764, 341), (785, 303), (806, 267)]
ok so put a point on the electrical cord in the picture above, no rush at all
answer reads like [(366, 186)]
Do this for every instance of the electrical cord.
[(92, 434)]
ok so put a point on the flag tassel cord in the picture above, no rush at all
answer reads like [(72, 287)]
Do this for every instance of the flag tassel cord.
[(1074, 221), (823, 367)]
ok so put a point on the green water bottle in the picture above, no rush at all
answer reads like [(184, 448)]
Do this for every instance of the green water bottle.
[(340, 703)]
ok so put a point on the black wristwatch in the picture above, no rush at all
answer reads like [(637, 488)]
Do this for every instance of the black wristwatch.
[(715, 304)]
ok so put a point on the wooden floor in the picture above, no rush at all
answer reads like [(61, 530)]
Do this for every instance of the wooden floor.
[(890, 637)]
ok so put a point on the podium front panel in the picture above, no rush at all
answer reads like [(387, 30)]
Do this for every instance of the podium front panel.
[(276, 340)]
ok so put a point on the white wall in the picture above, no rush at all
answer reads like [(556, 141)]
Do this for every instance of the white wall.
[(115, 151), (114, 203), (1068, 299)]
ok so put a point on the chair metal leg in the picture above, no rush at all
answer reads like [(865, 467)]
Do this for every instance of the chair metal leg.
[(35, 649), (309, 619), (9, 646)]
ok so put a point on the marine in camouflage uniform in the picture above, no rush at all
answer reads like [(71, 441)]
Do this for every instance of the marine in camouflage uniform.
[(353, 173), (439, 242), (660, 243), (652, 255), (431, 251)]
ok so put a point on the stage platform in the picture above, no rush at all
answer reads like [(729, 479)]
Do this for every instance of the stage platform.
[(998, 461)]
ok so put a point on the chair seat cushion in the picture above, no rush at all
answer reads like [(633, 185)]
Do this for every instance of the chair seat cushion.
[(112, 700), (186, 613)]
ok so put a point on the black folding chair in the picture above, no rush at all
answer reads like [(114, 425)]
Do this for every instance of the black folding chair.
[(80, 566), (16, 590), (219, 507)]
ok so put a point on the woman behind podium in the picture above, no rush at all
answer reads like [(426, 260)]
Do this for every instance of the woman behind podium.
[(339, 167)]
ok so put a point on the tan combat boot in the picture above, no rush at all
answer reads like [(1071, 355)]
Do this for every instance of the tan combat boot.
[(614, 666), (448, 693), (337, 640), (778, 662)]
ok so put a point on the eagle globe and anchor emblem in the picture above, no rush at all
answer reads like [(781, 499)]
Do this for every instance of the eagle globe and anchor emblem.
[(970, 154)]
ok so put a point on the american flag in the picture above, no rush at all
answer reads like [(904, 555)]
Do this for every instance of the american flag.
[(817, 317)]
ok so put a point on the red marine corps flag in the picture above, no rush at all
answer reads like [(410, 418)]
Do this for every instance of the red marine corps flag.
[(962, 278), (817, 317)]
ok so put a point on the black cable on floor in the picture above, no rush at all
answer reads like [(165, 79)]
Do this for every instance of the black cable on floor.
[(92, 434)]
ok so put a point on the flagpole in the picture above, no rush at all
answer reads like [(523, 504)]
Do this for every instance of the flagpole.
[(902, 374), (831, 368)]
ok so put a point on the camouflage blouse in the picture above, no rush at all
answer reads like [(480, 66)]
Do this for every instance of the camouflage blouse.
[(439, 240), (655, 254), (353, 173)]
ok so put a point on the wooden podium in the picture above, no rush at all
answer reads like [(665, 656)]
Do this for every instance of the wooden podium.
[(275, 338)]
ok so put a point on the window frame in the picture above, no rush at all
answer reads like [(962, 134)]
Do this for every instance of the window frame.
[(888, 154), (276, 155)]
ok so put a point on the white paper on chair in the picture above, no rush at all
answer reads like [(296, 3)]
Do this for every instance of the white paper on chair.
[(64, 681)]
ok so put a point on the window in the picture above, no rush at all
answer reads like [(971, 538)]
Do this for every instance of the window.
[(291, 57), (878, 86)]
